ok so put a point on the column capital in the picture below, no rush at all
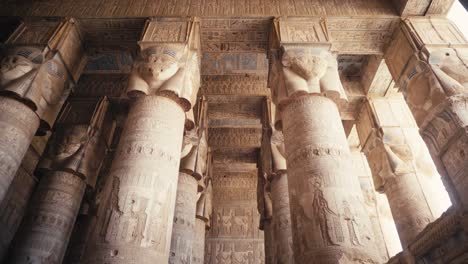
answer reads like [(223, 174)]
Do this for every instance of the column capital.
[(428, 58), (79, 142), (169, 61), (42, 60), (384, 126)]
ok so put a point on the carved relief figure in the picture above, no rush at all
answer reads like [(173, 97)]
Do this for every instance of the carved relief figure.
[(352, 224), (322, 213)]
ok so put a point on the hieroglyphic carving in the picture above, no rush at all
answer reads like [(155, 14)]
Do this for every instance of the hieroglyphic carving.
[(234, 35), (136, 217), (443, 241), (95, 85), (183, 230), (320, 217), (303, 30), (233, 63), (122, 31), (14, 205), (55, 205), (234, 137), (363, 35), (18, 124), (208, 8), (234, 85), (235, 219), (138, 206), (104, 61)]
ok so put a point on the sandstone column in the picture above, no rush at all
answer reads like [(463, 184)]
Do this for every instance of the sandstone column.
[(401, 165), (73, 158), (267, 223), (202, 222), (134, 224), (192, 169), (41, 59), (329, 221), (280, 201), (428, 58)]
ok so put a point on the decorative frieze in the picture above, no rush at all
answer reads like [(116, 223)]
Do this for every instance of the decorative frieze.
[(234, 137)]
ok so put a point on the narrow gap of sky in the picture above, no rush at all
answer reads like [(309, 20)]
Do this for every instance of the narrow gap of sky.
[(459, 16)]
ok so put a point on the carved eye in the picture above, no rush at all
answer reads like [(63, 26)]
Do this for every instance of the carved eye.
[(447, 54)]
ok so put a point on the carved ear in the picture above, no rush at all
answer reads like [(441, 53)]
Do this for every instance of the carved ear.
[(136, 85), (286, 60)]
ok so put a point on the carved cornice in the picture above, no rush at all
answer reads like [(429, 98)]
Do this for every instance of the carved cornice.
[(346, 35)]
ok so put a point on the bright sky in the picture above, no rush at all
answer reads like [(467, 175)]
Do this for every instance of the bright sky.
[(459, 15)]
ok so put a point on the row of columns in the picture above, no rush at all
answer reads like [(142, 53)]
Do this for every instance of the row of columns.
[(136, 220)]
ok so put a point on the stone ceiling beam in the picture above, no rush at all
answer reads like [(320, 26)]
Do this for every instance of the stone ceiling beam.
[(422, 7)]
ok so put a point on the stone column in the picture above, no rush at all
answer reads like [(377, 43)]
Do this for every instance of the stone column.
[(267, 224), (280, 202), (183, 232), (202, 222), (428, 58), (41, 59), (401, 165), (329, 221), (73, 158), (134, 223), (14, 206), (198, 253)]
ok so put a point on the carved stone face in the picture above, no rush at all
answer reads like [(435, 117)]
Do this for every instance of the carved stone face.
[(159, 67), (307, 66), (14, 66), (69, 141)]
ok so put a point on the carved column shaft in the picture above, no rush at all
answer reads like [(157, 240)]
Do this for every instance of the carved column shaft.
[(47, 227), (135, 223), (135, 220), (329, 221), (401, 165), (198, 249), (282, 218), (14, 206), (18, 124), (183, 230), (270, 241), (71, 161)]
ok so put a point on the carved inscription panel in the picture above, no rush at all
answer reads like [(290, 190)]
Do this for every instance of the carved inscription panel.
[(234, 236)]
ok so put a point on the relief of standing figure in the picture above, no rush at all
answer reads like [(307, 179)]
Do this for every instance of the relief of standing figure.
[(322, 212)]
